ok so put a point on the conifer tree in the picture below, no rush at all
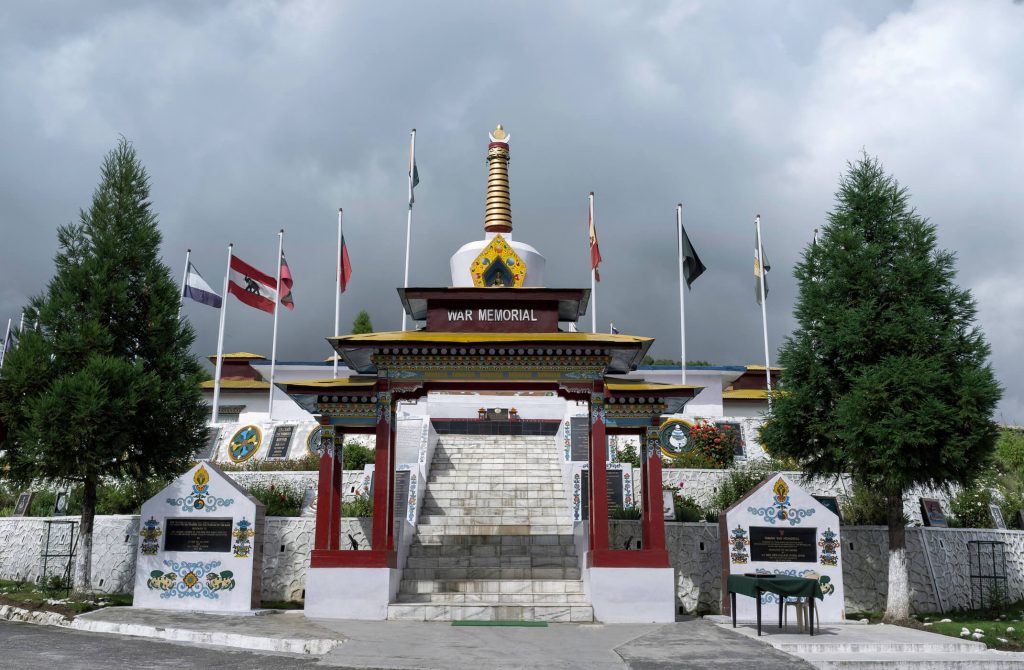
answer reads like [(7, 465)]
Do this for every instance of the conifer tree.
[(104, 386), (362, 324), (886, 376)]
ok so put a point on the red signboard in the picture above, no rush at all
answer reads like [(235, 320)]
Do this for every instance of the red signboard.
[(481, 316)]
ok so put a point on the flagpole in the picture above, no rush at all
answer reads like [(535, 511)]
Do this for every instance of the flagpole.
[(220, 340), (337, 294), (184, 279), (764, 310), (408, 221), (682, 295), (277, 308), (593, 274), (7, 338)]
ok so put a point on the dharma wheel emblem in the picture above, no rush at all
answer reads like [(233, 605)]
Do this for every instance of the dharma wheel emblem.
[(245, 443)]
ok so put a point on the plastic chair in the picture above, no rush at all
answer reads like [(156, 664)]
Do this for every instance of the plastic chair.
[(800, 606)]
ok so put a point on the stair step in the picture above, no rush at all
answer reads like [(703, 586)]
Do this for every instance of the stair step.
[(445, 562), (494, 598), (551, 613), (544, 586), (501, 574), (469, 539), (496, 529)]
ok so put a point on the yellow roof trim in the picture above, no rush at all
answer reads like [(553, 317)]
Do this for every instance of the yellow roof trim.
[(240, 355), (350, 382), (756, 368), (413, 336), (237, 384), (745, 394), (652, 387)]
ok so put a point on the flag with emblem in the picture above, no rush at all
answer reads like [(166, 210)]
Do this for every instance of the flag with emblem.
[(252, 287)]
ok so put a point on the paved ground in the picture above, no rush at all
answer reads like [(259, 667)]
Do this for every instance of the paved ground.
[(25, 645), (396, 644)]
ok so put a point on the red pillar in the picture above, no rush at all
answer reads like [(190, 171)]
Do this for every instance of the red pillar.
[(323, 539), (653, 510), (382, 474), (598, 475), (336, 492), (391, 484)]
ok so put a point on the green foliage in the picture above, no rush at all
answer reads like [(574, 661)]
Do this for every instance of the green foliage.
[(688, 509), (1009, 453), (306, 463), (624, 513), (360, 507), (714, 447), (738, 483), (865, 506), (970, 507), (356, 456), (629, 454), (279, 500), (362, 324), (887, 374)]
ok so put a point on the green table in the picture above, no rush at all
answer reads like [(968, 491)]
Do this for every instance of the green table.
[(783, 586)]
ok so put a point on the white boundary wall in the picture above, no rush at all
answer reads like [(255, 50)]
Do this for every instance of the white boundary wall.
[(693, 552)]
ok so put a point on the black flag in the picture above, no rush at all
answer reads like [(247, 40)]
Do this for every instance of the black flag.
[(692, 267)]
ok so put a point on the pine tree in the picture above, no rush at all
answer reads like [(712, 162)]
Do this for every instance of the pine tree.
[(886, 376), (362, 323), (105, 385)]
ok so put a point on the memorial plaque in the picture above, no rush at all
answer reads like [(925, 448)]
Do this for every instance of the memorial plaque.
[(280, 442), (209, 449), (24, 502), (997, 516), (613, 480), (783, 545), (205, 535), (401, 493), (931, 512), (668, 505), (579, 438), (831, 503), (60, 503)]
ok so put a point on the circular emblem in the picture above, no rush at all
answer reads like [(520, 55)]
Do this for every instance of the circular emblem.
[(313, 441), (674, 436), (245, 443)]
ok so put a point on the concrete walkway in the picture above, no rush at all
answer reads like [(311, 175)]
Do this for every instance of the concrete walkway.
[(878, 647), (399, 645)]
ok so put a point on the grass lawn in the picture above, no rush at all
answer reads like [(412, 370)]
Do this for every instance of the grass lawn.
[(1001, 628), (33, 597)]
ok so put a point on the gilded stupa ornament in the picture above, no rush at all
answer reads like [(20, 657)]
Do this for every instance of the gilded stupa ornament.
[(498, 266), (498, 208)]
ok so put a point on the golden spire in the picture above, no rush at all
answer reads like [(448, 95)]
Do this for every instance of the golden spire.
[(498, 209)]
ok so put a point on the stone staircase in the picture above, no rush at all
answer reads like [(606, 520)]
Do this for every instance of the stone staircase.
[(494, 540)]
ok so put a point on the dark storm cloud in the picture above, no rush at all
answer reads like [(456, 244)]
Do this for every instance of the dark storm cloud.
[(253, 116)]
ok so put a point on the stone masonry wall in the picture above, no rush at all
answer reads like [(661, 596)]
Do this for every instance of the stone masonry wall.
[(938, 562)]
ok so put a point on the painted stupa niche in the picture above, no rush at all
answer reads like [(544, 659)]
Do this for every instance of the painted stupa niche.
[(498, 265)]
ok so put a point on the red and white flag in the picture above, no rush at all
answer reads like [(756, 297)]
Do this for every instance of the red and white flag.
[(286, 282), (595, 251), (254, 288)]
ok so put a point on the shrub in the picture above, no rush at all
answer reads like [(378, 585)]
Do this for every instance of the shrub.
[(865, 506), (714, 447), (279, 501), (306, 463), (970, 507), (629, 454), (360, 507), (738, 483), (688, 509), (624, 513), (356, 456)]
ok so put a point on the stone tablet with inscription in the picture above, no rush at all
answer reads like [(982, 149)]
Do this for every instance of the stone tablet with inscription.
[(200, 545), (780, 529)]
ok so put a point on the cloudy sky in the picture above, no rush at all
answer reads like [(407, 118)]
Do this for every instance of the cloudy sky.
[(252, 116)]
